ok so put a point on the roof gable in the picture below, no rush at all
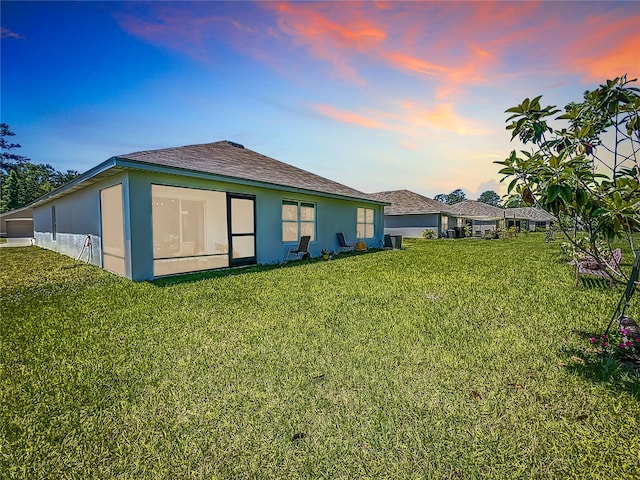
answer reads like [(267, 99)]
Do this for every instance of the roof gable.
[(406, 202)]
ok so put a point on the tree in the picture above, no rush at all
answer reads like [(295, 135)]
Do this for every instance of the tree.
[(11, 193), (8, 159), (586, 169), (22, 182), (454, 197), (490, 198), (514, 201)]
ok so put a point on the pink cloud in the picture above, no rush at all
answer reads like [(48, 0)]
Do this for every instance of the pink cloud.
[(6, 33)]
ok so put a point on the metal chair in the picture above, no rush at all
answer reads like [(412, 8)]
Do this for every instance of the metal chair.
[(302, 249), (342, 243)]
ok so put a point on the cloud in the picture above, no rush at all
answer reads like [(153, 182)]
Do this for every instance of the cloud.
[(597, 57), (348, 117), (6, 33), (406, 118)]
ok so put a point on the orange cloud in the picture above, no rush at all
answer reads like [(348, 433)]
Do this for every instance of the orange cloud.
[(609, 49), (407, 119), (351, 118)]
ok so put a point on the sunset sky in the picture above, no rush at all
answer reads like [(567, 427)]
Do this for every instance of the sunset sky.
[(375, 95)]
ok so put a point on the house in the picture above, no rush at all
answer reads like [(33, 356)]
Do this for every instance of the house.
[(409, 214), (17, 223), (533, 218), (481, 217), (199, 207)]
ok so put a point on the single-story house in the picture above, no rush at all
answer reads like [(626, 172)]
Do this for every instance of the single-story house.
[(532, 218), (410, 214), (481, 217), (17, 223), (199, 207)]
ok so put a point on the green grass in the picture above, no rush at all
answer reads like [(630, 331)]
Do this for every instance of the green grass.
[(449, 359)]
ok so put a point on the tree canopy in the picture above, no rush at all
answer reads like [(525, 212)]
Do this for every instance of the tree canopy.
[(490, 198), (22, 182), (583, 165), (454, 197)]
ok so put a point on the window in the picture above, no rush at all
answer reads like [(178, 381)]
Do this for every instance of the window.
[(189, 230), (112, 226), (364, 224), (445, 223), (298, 219)]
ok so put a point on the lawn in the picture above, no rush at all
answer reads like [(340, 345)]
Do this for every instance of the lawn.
[(448, 359)]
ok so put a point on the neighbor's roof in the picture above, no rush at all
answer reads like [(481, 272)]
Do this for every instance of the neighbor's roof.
[(225, 159), (529, 213), (405, 202), (477, 210)]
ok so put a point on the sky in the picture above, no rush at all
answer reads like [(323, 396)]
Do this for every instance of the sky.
[(375, 95)]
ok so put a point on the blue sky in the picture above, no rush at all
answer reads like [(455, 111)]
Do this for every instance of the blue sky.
[(375, 95)]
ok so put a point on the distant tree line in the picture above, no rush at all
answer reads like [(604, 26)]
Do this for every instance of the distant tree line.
[(489, 197), (21, 181)]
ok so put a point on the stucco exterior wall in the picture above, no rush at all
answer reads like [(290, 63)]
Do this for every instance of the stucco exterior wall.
[(412, 226), (332, 216), (77, 216)]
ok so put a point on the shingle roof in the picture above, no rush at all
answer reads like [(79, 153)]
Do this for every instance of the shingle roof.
[(405, 202), (472, 208), (529, 213), (233, 160)]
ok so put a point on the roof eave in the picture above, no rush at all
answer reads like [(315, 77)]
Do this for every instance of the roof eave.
[(97, 173)]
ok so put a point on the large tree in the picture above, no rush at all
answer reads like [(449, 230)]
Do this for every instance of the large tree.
[(22, 182), (585, 167), (490, 198), (454, 197)]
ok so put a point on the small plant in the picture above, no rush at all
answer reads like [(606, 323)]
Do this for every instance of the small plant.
[(327, 254), (428, 234), (620, 345)]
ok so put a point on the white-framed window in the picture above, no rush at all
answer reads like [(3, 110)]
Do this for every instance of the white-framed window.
[(298, 219), (445, 223), (364, 223)]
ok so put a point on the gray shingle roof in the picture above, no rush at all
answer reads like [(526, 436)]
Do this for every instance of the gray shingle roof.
[(529, 213), (405, 202), (474, 209), (230, 159)]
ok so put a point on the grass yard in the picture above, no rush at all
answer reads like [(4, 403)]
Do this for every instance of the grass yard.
[(449, 359)]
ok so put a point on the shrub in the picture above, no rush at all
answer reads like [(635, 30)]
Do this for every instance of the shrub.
[(428, 233)]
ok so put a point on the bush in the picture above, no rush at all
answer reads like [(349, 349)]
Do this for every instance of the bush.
[(429, 234)]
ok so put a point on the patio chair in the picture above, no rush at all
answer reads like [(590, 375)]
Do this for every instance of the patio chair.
[(592, 268), (302, 249), (342, 243)]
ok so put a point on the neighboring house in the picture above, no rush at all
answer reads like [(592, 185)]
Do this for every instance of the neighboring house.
[(199, 207), (532, 218), (410, 214), (17, 223), (481, 217)]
